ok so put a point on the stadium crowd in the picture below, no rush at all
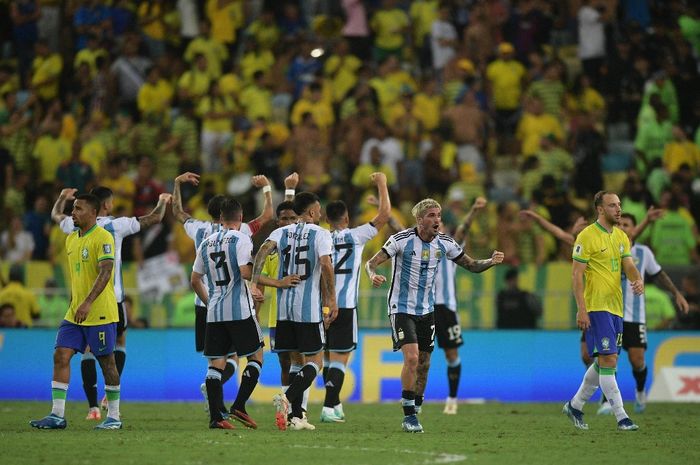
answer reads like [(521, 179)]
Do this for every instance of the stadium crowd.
[(534, 104)]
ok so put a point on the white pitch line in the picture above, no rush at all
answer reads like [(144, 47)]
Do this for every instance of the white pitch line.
[(433, 457)]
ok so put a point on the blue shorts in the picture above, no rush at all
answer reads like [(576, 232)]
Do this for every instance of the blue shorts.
[(604, 337), (101, 338)]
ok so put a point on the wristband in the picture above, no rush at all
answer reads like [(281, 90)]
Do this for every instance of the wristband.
[(289, 192), (326, 310), (266, 189)]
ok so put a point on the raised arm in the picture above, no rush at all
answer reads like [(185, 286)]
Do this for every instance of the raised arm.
[(290, 184), (178, 211), (665, 282), (328, 290), (393, 223), (101, 281), (555, 230), (463, 229), (157, 214), (384, 209), (57, 211), (478, 266), (371, 268), (266, 249), (652, 215), (268, 212)]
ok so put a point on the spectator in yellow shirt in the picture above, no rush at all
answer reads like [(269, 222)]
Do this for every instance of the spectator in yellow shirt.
[(217, 112), (89, 55), (151, 14), (50, 151), (256, 99), (265, 30), (194, 84), (534, 125), (681, 151), (255, 59), (427, 104), (320, 110), (505, 76), (341, 69), (46, 72), (206, 45), (390, 25), (25, 303), (226, 17), (422, 14), (155, 95), (121, 185)]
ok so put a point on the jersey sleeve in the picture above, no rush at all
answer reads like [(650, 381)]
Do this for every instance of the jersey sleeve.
[(453, 250), (391, 246), (254, 226), (198, 266), (625, 252), (652, 267), (364, 233), (126, 225), (192, 225), (67, 225), (105, 247), (276, 235), (582, 248), (244, 251), (324, 244)]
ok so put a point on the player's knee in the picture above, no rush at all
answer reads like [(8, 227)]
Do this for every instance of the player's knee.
[(410, 360), (61, 358), (637, 360)]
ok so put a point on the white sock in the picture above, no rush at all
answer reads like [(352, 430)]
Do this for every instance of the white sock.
[(112, 393), (58, 397), (608, 384), (588, 387)]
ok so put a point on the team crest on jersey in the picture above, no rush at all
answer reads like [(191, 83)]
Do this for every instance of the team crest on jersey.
[(622, 248), (107, 248), (84, 253), (605, 342), (425, 255), (438, 254), (578, 249)]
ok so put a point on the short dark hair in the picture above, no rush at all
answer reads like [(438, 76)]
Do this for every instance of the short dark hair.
[(102, 193), (286, 205), (230, 209), (512, 273), (214, 206), (598, 198), (630, 217), (303, 200), (335, 210), (16, 273), (91, 199)]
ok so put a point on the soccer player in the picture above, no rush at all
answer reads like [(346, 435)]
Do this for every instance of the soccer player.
[(91, 319), (634, 330), (119, 228), (231, 328), (341, 337), (447, 328), (417, 253), (305, 249), (601, 253)]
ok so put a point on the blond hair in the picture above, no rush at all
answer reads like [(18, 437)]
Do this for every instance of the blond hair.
[(419, 209)]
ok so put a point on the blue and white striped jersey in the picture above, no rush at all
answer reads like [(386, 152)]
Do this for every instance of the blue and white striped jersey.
[(445, 289), (199, 230), (119, 228), (300, 248), (635, 305), (348, 245), (218, 258), (414, 266)]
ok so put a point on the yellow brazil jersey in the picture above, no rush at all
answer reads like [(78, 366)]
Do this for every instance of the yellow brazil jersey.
[(270, 269), (84, 254), (603, 252)]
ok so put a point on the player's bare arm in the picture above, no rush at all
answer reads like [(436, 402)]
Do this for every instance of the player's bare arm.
[(384, 209), (550, 227), (178, 211), (371, 268), (665, 282), (328, 289), (394, 224), (57, 211), (284, 283), (157, 214), (478, 266), (261, 182), (633, 275), (462, 230), (652, 215), (199, 288), (583, 321), (266, 249), (290, 183), (103, 277)]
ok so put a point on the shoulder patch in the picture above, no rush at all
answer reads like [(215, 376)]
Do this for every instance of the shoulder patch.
[(107, 248), (578, 249)]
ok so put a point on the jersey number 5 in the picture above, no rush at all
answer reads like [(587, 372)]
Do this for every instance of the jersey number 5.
[(299, 260), (220, 259)]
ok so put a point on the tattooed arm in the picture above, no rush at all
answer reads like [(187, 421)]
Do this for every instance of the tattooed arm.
[(266, 249), (478, 266), (101, 281), (371, 268), (665, 282), (156, 216), (178, 211)]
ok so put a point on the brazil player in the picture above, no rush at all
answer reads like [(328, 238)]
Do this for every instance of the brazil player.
[(119, 228), (634, 330), (348, 244), (305, 249), (91, 319), (225, 257), (416, 254), (601, 253)]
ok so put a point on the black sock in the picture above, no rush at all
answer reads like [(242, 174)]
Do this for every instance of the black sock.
[(408, 399), (215, 393), (419, 400), (88, 369), (325, 374), (334, 383), (120, 359), (248, 382), (641, 378), (603, 399), (298, 385), (229, 370), (453, 374)]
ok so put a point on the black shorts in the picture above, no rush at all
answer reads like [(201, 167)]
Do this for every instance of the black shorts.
[(634, 335), (305, 338), (123, 321), (200, 327), (342, 333), (241, 337), (411, 329), (447, 329)]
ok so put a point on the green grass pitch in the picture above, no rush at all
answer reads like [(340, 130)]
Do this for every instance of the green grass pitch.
[(492, 433)]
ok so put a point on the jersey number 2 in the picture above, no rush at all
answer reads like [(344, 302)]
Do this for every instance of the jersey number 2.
[(220, 259), (339, 266)]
